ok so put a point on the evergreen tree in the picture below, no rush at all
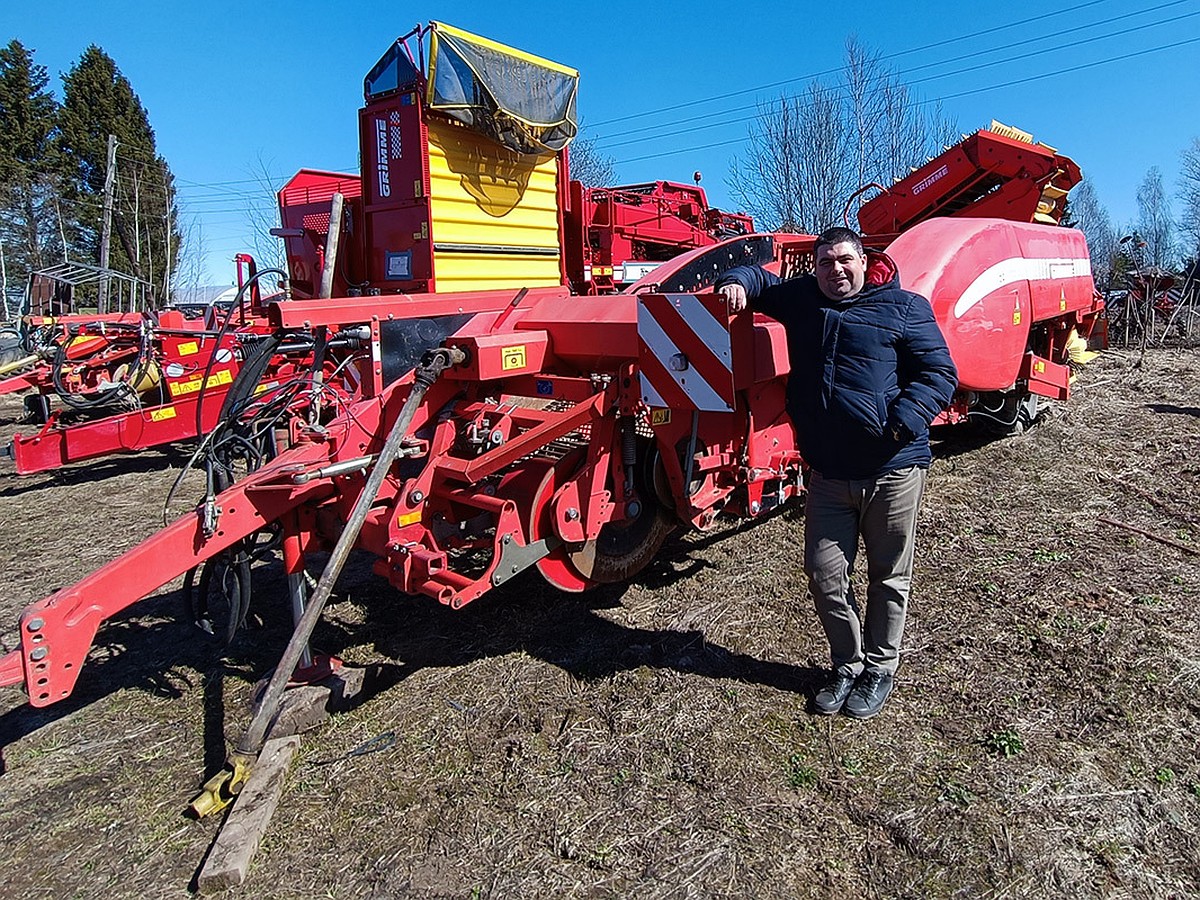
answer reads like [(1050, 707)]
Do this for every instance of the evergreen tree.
[(98, 101), (29, 167)]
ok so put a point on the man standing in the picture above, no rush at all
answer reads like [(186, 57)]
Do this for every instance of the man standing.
[(869, 372)]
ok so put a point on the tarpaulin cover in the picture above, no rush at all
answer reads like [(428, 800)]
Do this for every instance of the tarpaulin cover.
[(524, 102)]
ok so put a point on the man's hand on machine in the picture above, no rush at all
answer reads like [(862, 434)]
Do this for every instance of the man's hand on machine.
[(735, 296)]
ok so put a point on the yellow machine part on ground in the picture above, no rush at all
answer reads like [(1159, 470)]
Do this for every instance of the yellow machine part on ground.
[(494, 213)]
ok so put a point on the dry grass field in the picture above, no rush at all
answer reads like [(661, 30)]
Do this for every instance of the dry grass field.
[(654, 740)]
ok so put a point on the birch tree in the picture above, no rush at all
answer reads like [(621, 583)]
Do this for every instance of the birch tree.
[(1154, 221), (1093, 220)]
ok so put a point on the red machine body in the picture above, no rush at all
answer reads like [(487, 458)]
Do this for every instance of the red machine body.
[(617, 235), (997, 173), (126, 382), (543, 449), (1006, 295), (304, 210)]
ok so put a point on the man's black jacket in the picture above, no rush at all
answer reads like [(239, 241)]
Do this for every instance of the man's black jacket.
[(868, 374)]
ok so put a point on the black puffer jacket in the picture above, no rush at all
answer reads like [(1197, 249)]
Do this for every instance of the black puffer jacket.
[(868, 374)]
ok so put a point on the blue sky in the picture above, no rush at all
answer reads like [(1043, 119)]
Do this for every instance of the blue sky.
[(232, 87)]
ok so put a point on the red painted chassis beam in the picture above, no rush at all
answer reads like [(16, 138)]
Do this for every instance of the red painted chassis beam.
[(57, 632), (137, 430), (35, 378), (302, 314)]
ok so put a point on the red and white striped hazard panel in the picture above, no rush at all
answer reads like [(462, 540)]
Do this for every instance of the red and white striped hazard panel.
[(685, 354)]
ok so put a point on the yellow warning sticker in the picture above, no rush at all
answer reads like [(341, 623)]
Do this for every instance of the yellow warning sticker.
[(188, 348), (1039, 366), (161, 415), (512, 358), (660, 416), (179, 388), (1016, 317), (408, 518)]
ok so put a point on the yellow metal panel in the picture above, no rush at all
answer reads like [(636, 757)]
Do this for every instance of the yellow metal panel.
[(483, 195), (477, 272)]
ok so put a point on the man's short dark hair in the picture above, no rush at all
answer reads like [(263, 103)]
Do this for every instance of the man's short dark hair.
[(839, 235)]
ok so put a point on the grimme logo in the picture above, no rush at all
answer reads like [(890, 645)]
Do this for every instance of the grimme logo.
[(926, 182), (381, 149)]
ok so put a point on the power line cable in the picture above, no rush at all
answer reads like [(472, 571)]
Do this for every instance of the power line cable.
[(601, 141), (980, 90), (774, 84)]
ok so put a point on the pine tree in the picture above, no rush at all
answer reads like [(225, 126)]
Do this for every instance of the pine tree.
[(30, 169), (98, 101)]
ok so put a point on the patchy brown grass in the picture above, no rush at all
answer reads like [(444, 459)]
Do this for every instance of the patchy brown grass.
[(653, 740)]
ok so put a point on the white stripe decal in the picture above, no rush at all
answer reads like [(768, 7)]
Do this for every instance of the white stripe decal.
[(690, 381), (649, 394), (704, 325), (1018, 268)]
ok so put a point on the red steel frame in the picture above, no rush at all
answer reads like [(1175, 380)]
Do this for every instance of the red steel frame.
[(543, 369)]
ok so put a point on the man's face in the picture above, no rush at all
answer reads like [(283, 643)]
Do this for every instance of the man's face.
[(841, 270)]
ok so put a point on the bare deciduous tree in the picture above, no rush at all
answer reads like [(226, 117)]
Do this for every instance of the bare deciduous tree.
[(262, 214), (190, 280), (589, 165), (1154, 220), (767, 179), (1093, 220), (1189, 195), (809, 153)]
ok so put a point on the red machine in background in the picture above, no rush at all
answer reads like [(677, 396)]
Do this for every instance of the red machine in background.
[(127, 381), (618, 235), (997, 173), (1016, 325)]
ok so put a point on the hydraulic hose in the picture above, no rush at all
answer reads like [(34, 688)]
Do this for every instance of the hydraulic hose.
[(221, 789), (237, 301), (56, 372)]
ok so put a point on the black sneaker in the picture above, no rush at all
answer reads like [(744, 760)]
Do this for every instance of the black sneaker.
[(869, 694), (830, 698)]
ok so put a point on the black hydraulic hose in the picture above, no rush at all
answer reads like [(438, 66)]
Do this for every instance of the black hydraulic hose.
[(251, 742), (56, 369), (237, 301), (102, 399), (243, 386)]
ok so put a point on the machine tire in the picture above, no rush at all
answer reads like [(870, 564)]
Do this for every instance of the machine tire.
[(1016, 413), (625, 547)]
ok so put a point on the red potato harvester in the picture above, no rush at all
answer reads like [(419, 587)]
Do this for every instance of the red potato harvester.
[(565, 434)]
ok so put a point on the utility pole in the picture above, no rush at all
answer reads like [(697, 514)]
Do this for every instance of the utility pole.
[(3, 282), (167, 280), (110, 177)]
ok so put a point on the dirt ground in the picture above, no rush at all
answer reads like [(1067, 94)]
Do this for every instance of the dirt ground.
[(653, 740)]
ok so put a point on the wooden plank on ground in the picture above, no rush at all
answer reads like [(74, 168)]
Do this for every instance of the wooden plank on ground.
[(237, 841)]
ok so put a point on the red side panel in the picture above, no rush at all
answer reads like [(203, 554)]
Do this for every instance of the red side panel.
[(305, 203), (989, 280), (395, 155)]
